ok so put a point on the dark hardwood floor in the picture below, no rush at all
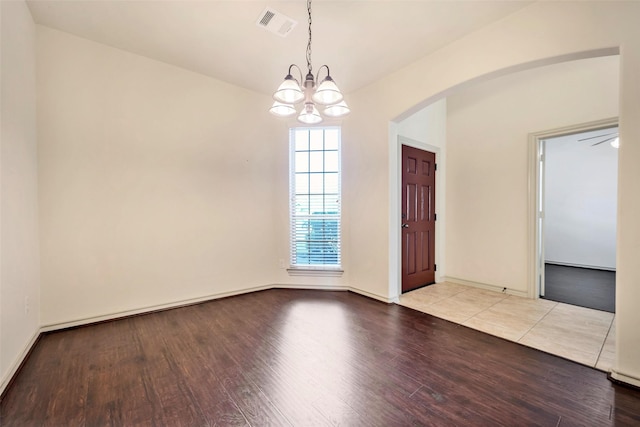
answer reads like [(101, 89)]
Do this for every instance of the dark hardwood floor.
[(584, 287), (303, 358)]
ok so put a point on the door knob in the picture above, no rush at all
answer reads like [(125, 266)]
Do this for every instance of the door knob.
[(405, 225)]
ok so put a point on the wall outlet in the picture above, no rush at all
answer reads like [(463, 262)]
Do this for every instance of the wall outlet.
[(26, 304)]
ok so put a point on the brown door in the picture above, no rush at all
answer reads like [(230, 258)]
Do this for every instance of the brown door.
[(418, 218)]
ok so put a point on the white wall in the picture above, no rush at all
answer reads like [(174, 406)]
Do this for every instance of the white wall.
[(429, 125), (154, 186), (19, 264), (488, 147), (426, 130), (157, 185), (133, 152), (581, 187), (541, 34)]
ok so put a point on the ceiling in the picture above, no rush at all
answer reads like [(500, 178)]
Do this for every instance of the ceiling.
[(593, 140), (361, 41)]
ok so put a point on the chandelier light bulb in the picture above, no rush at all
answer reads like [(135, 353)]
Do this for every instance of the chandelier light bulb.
[(309, 114), (289, 91), (337, 110), (327, 93), (282, 110)]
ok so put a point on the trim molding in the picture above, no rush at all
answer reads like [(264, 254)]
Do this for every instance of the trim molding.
[(535, 245), (310, 287), (52, 327), (148, 309), (182, 303), (486, 286), (18, 363), (589, 267), (371, 295), (615, 376), (624, 379), (396, 141), (337, 288)]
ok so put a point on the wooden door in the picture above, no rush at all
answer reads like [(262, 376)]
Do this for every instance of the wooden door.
[(418, 218)]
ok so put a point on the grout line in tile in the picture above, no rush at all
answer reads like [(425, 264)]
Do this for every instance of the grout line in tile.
[(466, 320), (518, 340), (482, 311), (444, 298), (457, 293), (449, 297), (604, 341), (523, 334), (539, 320)]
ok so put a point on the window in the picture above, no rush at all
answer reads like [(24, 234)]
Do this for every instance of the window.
[(314, 190)]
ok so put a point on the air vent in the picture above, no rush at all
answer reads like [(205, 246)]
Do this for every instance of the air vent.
[(268, 16), (276, 22)]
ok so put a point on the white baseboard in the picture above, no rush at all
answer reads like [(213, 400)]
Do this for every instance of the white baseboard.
[(336, 288), (591, 267), (310, 287), (625, 378), (371, 295), (18, 361), (486, 286), (148, 309)]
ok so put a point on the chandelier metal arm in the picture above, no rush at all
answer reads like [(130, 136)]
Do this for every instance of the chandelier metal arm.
[(299, 71), (325, 94), (320, 69)]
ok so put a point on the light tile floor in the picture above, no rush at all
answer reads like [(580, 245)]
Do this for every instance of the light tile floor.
[(580, 334)]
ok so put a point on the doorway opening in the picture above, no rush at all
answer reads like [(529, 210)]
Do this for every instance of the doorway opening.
[(576, 207)]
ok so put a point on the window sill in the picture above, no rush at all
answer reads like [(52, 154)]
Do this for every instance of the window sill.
[(315, 271)]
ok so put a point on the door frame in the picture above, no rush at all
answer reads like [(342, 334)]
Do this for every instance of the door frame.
[(418, 225), (395, 214), (536, 196)]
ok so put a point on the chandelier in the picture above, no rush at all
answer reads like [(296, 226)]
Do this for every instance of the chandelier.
[(325, 95)]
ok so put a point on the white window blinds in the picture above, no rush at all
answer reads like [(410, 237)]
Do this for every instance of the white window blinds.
[(314, 189)]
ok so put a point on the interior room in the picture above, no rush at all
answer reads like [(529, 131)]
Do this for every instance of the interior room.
[(142, 174), (580, 189)]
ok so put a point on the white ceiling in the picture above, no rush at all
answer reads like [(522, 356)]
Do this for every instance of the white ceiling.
[(361, 41), (584, 141)]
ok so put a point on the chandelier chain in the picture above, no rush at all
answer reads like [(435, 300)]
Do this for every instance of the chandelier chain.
[(315, 94), (309, 67)]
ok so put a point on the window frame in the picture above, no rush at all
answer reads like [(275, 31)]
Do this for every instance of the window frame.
[(295, 266)]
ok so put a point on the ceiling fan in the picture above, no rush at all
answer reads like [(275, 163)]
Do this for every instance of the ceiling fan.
[(611, 137)]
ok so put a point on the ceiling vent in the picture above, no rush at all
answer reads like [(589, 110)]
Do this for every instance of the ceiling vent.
[(276, 22)]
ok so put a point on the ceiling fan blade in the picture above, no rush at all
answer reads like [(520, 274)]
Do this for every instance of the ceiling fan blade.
[(603, 141), (599, 136)]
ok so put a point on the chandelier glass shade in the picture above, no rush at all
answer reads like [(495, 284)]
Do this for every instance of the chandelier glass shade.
[(324, 95), (289, 92)]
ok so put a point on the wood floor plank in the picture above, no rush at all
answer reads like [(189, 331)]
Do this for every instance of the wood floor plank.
[(191, 361), (265, 369), (333, 350), (303, 358)]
